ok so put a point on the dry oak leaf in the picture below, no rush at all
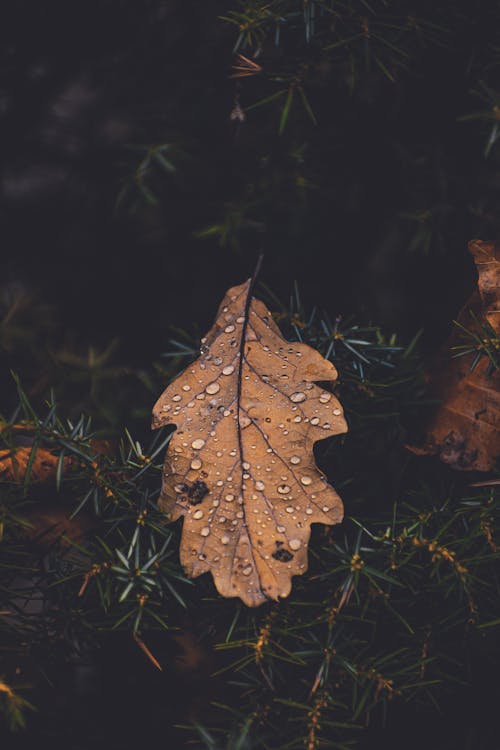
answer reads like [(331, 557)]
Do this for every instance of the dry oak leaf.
[(464, 431), (240, 467)]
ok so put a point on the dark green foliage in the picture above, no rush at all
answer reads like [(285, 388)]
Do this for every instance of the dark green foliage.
[(382, 616)]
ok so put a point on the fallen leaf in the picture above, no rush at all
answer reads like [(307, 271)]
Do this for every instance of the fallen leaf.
[(240, 467), (15, 459), (48, 524), (14, 463), (464, 431)]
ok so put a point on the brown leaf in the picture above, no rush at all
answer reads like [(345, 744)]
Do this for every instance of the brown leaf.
[(14, 462), (49, 524), (240, 467), (464, 431), (487, 259)]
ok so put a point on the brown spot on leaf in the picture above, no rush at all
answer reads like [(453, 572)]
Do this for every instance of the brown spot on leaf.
[(283, 555), (197, 492)]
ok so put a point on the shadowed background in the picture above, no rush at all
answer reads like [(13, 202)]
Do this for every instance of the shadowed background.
[(370, 210)]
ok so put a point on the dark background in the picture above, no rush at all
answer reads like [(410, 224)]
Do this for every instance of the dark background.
[(82, 82)]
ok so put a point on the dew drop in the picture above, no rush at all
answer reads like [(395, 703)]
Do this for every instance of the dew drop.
[(306, 480), (280, 529), (246, 571), (225, 539), (325, 398), (186, 387), (295, 460), (228, 370), (289, 509), (212, 388), (325, 508), (309, 511), (205, 531), (298, 397), (197, 444), (337, 412), (228, 329), (295, 544), (176, 398), (198, 514), (229, 498), (315, 420), (283, 489), (260, 486), (196, 463)]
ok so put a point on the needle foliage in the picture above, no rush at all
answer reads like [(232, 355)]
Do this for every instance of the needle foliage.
[(391, 610)]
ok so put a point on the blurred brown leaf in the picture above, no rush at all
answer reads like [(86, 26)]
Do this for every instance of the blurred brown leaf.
[(50, 523), (464, 432), (14, 463)]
